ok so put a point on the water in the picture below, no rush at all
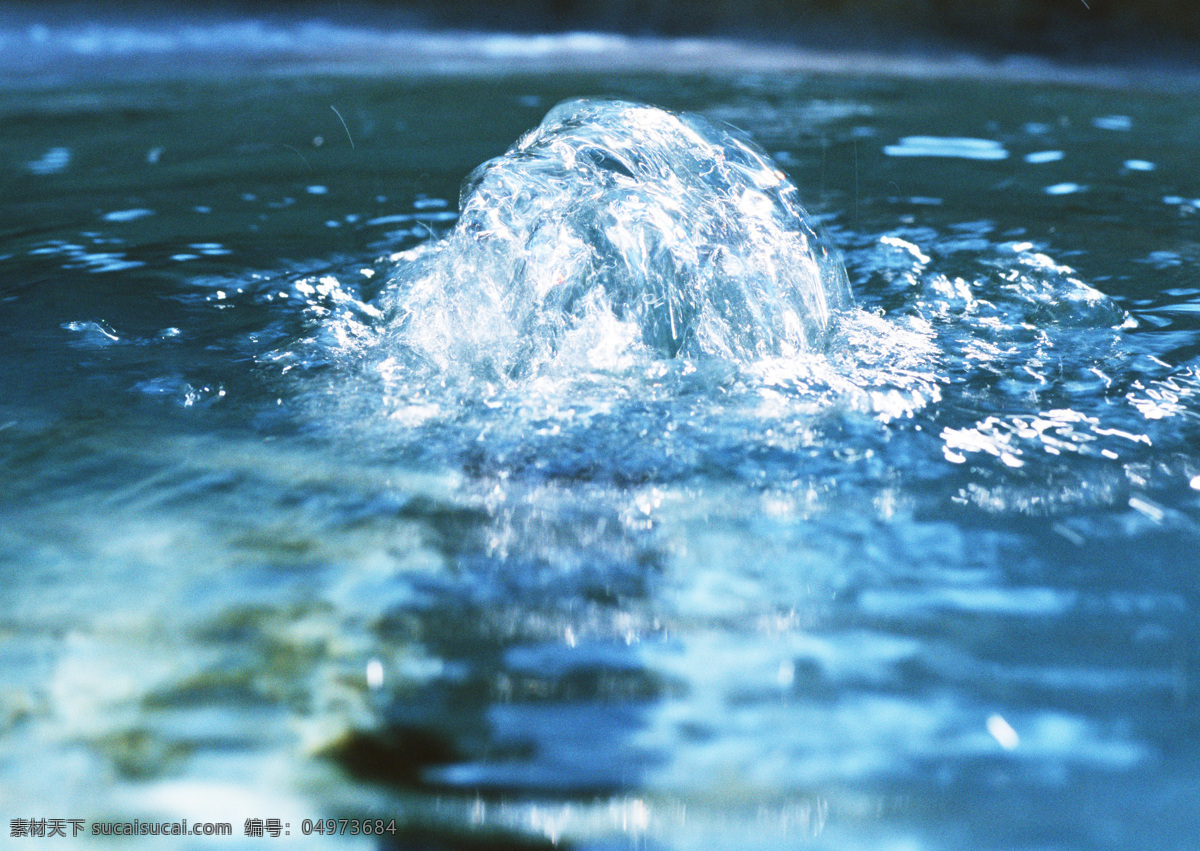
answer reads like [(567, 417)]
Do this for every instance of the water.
[(290, 532), (613, 217)]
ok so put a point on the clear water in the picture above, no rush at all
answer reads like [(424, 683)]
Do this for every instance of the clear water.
[(270, 549)]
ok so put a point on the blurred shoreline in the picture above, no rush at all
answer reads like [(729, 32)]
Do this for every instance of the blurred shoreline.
[(829, 36), (1076, 30)]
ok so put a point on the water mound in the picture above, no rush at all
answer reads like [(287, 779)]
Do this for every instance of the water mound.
[(614, 226)]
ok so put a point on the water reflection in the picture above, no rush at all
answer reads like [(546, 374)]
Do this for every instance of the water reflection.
[(53, 161), (947, 146)]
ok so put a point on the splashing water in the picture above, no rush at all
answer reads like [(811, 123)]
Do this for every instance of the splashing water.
[(619, 257), (688, 235)]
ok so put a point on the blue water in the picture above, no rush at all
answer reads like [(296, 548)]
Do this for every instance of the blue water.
[(322, 501)]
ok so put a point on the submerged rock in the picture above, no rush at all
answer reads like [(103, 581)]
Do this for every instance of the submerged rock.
[(614, 225)]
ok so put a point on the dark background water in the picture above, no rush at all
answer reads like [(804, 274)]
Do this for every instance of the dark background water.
[(1095, 30)]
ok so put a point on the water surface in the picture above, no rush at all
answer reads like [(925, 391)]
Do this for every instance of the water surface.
[(929, 583)]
